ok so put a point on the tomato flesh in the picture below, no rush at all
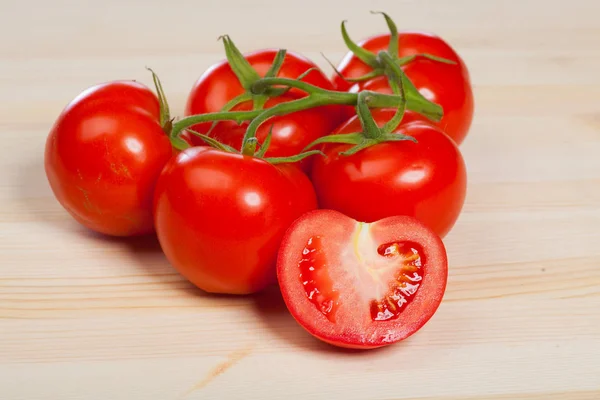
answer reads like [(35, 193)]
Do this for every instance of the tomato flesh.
[(361, 285), (314, 278)]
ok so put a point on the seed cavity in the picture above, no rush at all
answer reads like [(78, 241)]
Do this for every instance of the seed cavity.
[(405, 285)]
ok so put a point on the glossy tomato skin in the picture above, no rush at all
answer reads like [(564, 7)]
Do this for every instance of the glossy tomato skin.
[(444, 84), (426, 180), (103, 156), (348, 252), (218, 85), (220, 217)]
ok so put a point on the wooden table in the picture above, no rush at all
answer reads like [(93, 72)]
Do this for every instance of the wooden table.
[(85, 317)]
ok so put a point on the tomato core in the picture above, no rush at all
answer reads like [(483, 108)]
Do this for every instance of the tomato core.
[(315, 279)]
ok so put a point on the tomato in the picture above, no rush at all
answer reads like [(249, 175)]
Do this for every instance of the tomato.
[(445, 84), (361, 285), (292, 132), (220, 217), (104, 154), (425, 180)]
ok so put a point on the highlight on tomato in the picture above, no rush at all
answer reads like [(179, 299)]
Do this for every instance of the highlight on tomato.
[(434, 68), (220, 214), (103, 156), (226, 86), (361, 285)]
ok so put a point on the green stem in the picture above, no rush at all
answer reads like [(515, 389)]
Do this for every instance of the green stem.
[(317, 97), (231, 104), (263, 84), (249, 147), (414, 99), (394, 74), (370, 128), (314, 100), (237, 116)]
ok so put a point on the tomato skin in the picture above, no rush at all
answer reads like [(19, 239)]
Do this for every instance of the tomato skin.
[(426, 180), (444, 84), (338, 232), (103, 156), (218, 85), (220, 217)]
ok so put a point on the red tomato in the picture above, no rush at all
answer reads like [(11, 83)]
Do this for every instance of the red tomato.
[(445, 84), (104, 154), (361, 285), (425, 180), (218, 85), (220, 217)]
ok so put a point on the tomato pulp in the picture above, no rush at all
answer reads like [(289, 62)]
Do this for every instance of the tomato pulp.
[(220, 217), (361, 285), (426, 180), (104, 154)]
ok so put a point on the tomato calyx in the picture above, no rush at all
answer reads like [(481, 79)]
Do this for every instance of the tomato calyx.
[(166, 122), (247, 76), (383, 61), (371, 134)]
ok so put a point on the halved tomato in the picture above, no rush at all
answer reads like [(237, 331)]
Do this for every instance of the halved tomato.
[(361, 285)]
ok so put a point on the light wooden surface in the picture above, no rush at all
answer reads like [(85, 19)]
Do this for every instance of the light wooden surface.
[(82, 317)]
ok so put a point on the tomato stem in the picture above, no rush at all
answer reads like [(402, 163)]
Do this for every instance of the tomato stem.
[(370, 128), (399, 82), (249, 147), (293, 159), (230, 105), (317, 97), (395, 74), (237, 116), (414, 100)]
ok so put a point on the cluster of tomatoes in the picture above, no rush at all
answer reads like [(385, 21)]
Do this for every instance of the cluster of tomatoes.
[(339, 189)]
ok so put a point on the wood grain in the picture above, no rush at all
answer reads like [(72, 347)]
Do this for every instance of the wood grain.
[(86, 317)]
